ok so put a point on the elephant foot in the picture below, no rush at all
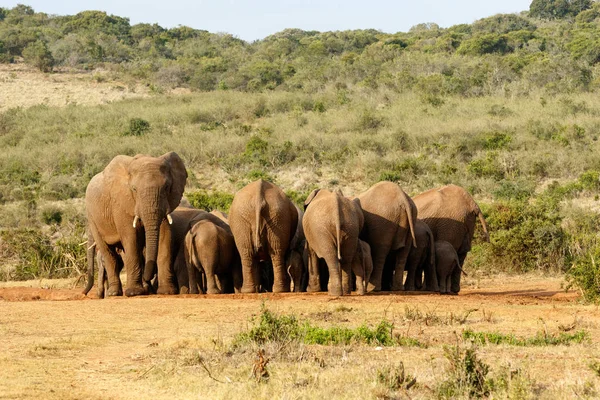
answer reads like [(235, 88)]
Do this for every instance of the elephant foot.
[(373, 288), (149, 288), (432, 288), (249, 289), (135, 291), (213, 291), (335, 292), (281, 289), (114, 291), (453, 293), (313, 289), (410, 288), (166, 290), (398, 288), (183, 290)]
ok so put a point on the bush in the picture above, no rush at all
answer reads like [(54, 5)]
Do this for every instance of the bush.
[(51, 215), (210, 200), (551, 9), (137, 127), (38, 55), (467, 374)]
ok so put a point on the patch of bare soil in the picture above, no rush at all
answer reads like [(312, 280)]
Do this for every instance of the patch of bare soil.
[(155, 347)]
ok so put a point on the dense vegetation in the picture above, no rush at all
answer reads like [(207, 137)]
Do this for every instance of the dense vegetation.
[(506, 107)]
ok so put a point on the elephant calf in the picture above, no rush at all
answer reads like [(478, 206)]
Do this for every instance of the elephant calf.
[(210, 249), (422, 259), (447, 263)]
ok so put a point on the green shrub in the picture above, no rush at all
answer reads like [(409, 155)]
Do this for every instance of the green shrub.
[(137, 127), (369, 120), (210, 200), (38, 55), (584, 274), (484, 44), (51, 215), (466, 375), (395, 377)]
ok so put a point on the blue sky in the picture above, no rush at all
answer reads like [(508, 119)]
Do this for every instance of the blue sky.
[(251, 20)]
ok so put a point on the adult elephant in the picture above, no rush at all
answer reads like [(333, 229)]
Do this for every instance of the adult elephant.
[(451, 214), (263, 221), (422, 259), (390, 216), (128, 205), (332, 224)]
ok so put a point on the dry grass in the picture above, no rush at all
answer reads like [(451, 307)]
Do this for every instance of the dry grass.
[(24, 86), (165, 347)]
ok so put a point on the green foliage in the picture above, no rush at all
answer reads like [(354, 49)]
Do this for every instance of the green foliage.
[(484, 44), (551, 9), (36, 256), (137, 127), (51, 215), (503, 23), (584, 274), (37, 54), (210, 200), (269, 327), (542, 338)]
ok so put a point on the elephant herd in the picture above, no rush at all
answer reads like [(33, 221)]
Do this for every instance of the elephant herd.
[(138, 221)]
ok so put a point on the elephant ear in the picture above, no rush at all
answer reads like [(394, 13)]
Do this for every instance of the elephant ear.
[(310, 198), (178, 178)]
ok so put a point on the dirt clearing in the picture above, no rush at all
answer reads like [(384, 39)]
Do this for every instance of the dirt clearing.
[(181, 346)]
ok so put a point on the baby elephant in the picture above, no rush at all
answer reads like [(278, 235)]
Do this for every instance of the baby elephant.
[(446, 261), (210, 249), (362, 266)]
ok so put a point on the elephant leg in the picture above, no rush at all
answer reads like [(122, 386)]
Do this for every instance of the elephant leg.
[(314, 279), (181, 271), (456, 274), (379, 256), (360, 281), (401, 256), (412, 265), (431, 280), (335, 284), (250, 273), (346, 278), (281, 280), (166, 278), (237, 277), (211, 280), (110, 261), (132, 256)]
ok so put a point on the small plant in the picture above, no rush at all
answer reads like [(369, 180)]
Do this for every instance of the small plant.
[(395, 377), (51, 215), (37, 54), (137, 127), (595, 366), (466, 375)]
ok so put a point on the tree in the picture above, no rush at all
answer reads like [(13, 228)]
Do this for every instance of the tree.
[(38, 55), (556, 9)]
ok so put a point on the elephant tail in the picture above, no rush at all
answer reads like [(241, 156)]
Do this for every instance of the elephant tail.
[(260, 203), (338, 225), (91, 255), (483, 224), (458, 264), (408, 205), (431, 249)]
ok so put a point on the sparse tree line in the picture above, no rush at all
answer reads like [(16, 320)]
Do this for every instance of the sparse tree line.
[(556, 39)]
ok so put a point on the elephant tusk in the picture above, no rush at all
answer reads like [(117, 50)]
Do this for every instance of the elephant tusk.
[(170, 219), (135, 220)]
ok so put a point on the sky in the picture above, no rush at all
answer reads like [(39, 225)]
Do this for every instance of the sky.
[(251, 20)]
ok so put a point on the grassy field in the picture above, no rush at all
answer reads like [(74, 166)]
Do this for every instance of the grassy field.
[(190, 346)]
